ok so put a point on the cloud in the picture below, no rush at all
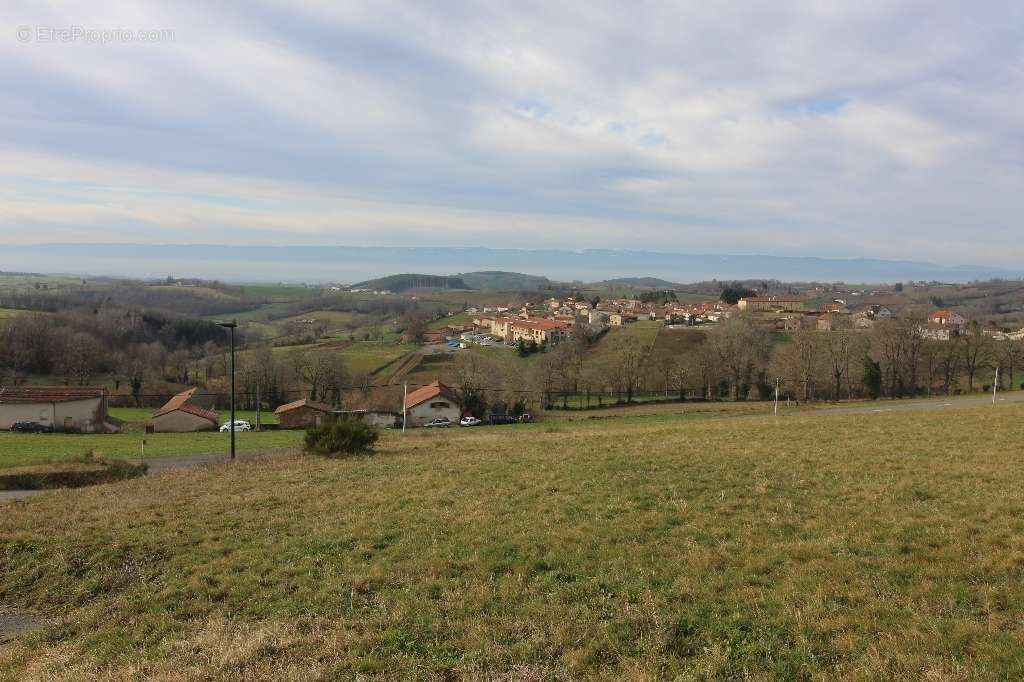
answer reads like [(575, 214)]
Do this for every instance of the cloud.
[(857, 128)]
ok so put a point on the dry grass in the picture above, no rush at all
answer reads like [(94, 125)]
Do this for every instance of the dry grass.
[(810, 547)]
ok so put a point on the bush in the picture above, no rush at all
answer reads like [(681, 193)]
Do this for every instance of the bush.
[(339, 437)]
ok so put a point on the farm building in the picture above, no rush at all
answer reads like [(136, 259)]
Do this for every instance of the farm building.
[(303, 413), (373, 417), (431, 401), (180, 415), (60, 408)]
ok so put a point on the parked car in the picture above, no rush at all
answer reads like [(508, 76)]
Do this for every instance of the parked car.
[(498, 419), (29, 427), (240, 425), (526, 417), (439, 422), (470, 421)]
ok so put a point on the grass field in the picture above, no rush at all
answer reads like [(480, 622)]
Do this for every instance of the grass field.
[(15, 312), (888, 547), (18, 449)]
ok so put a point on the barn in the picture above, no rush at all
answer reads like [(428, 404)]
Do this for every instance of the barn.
[(59, 408), (301, 414)]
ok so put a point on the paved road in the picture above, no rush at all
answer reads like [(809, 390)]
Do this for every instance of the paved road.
[(884, 406)]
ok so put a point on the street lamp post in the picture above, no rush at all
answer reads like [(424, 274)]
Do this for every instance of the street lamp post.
[(230, 325)]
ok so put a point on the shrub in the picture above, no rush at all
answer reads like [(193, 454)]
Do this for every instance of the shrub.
[(339, 437)]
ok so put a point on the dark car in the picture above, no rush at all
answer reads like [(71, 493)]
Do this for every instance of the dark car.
[(29, 427), (438, 423), (498, 419)]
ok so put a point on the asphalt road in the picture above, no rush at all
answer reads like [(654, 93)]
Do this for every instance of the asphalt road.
[(885, 406)]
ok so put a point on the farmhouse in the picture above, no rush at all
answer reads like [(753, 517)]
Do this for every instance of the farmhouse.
[(302, 414), (431, 401), (771, 304), (61, 408), (180, 415), (948, 318)]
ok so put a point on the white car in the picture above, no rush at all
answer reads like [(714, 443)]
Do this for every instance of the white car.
[(240, 425), (469, 421)]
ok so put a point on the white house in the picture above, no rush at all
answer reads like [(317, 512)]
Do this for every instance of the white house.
[(431, 401), (60, 408)]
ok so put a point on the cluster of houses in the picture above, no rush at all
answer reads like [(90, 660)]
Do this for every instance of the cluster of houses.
[(83, 409), (554, 320)]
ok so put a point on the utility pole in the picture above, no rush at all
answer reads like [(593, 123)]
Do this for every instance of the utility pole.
[(405, 400), (259, 422), (230, 326), (776, 397), (995, 385)]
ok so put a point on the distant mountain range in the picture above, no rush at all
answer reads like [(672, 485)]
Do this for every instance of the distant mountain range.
[(315, 264)]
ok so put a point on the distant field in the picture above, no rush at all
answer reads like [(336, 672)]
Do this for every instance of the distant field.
[(460, 318), (13, 312), (881, 547), (366, 357)]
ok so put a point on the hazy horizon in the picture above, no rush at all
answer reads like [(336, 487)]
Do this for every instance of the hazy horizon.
[(348, 264)]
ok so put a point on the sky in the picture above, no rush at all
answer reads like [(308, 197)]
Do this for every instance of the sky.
[(866, 128)]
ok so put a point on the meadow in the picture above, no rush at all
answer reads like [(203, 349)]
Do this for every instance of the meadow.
[(20, 449), (812, 546)]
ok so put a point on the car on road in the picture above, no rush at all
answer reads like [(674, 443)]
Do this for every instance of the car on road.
[(439, 423), (240, 425), (29, 427), (469, 421)]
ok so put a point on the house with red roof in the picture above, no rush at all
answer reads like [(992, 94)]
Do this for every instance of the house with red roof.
[(303, 413), (181, 415), (430, 402), (947, 318)]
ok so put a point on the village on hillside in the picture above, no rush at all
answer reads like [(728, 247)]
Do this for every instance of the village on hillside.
[(417, 358)]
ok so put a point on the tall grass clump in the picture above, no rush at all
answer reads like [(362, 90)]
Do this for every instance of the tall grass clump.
[(339, 437)]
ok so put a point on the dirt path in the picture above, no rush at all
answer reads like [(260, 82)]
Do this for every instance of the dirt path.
[(14, 622), (158, 465)]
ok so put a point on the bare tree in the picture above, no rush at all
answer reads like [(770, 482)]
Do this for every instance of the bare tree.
[(473, 376), (1009, 356), (630, 364), (741, 349), (975, 349), (841, 347), (951, 364), (799, 362), (890, 337)]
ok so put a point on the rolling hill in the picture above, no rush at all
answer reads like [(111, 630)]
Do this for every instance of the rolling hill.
[(413, 281)]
